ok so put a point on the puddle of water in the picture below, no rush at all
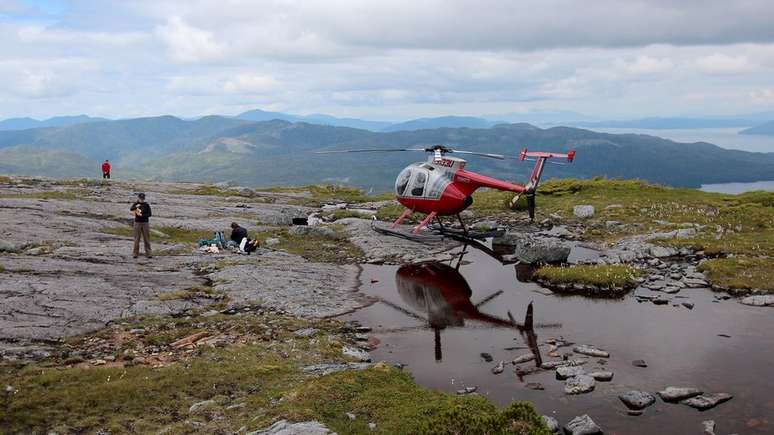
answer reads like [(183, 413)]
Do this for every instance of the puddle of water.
[(438, 321)]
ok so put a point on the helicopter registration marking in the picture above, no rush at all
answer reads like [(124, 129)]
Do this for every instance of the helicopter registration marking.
[(446, 162), (463, 179)]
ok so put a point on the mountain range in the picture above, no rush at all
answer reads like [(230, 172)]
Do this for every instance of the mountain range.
[(278, 152), (766, 129), (57, 121)]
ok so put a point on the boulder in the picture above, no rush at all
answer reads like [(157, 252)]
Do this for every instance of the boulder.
[(283, 427), (707, 401), (6, 246), (602, 376), (583, 211), (759, 301), (637, 399), (523, 358), (579, 384), (356, 353), (551, 424), (498, 368), (532, 250), (676, 394), (663, 251), (565, 372), (582, 425)]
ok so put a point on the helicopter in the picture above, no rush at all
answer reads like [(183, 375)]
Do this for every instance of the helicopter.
[(441, 186)]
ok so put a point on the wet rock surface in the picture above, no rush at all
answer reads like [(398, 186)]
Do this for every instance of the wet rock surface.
[(531, 249), (707, 401), (582, 425), (676, 394), (579, 384), (637, 400)]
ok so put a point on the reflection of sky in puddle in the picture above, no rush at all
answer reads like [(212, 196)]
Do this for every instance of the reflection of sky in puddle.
[(681, 347)]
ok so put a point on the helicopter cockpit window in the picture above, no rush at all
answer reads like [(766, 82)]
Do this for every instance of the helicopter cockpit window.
[(418, 186), (437, 184), (402, 181)]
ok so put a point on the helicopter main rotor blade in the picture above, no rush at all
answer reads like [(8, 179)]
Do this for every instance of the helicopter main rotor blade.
[(370, 150), (490, 155)]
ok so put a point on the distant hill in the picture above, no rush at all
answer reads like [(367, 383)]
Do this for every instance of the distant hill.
[(280, 152), (58, 121), (261, 115), (670, 123), (440, 122), (763, 129)]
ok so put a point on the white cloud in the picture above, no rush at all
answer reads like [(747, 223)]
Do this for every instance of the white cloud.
[(189, 44), (719, 63)]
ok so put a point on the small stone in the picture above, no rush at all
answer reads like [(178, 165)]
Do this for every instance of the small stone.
[(565, 372), (498, 368), (708, 426), (583, 211), (591, 351), (639, 363), (523, 358), (372, 426), (350, 416), (602, 376), (467, 390), (707, 401), (358, 354), (307, 332), (637, 399), (660, 301), (688, 304), (676, 394), (199, 405), (550, 365), (535, 386), (582, 425), (579, 384), (487, 357)]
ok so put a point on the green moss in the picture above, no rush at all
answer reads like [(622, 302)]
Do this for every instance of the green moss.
[(314, 247), (173, 234), (250, 385), (343, 214), (740, 272), (6, 180), (598, 275)]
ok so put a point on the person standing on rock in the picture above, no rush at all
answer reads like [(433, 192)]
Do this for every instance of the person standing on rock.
[(106, 170), (141, 211)]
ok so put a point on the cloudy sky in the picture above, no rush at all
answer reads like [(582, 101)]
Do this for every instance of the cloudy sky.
[(386, 60)]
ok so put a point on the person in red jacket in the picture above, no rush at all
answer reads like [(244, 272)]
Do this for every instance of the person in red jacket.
[(106, 170)]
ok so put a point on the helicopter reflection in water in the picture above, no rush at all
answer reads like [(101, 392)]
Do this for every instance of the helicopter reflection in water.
[(441, 292)]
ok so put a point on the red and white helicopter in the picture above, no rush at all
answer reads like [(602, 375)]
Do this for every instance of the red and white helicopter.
[(441, 186)]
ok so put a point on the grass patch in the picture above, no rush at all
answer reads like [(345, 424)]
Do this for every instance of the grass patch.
[(598, 275), (315, 247), (250, 384), (67, 194), (82, 182), (6, 180), (343, 214), (173, 234), (740, 272), (390, 212)]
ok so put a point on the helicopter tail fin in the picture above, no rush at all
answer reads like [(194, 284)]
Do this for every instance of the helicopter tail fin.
[(540, 159)]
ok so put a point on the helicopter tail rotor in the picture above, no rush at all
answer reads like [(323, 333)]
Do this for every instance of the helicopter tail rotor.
[(540, 158)]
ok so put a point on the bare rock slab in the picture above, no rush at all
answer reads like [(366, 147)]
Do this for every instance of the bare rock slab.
[(283, 427), (565, 372), (602, 376), (707, 401), (579, 384), (676, 394), (637, 399), (551, 424), (582, 425), (759, 301)]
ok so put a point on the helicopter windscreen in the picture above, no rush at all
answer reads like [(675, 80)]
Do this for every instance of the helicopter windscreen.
[(421, 182), (402, 181)]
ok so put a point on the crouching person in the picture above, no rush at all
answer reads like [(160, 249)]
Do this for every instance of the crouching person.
[(240, 238)]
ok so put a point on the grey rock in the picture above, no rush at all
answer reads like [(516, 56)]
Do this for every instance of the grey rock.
[(535, 386), (306, 332), (685, 233), (695, 283), (531, 249), (283, 427), (663, 251), (583, 211), (707, 401), (486, 356), (326, 369), (708, 426), (467, 390), (585, 349), (550, 365), (636, 399), (602, 376), (196, 407), (372, 426), (688, 304), (498, 368), (582, 425), (485, 225), (350, 415), (566, 372), (759, 301), (671, 290), (6, 246), (660, 301), (551, 423), (271, 241), (676, 394), (319, 231), (639, 363), (579, 384), (356, 353)]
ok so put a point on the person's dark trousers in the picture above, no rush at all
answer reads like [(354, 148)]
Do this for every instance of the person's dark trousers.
[(106, 175), (142, 229)]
